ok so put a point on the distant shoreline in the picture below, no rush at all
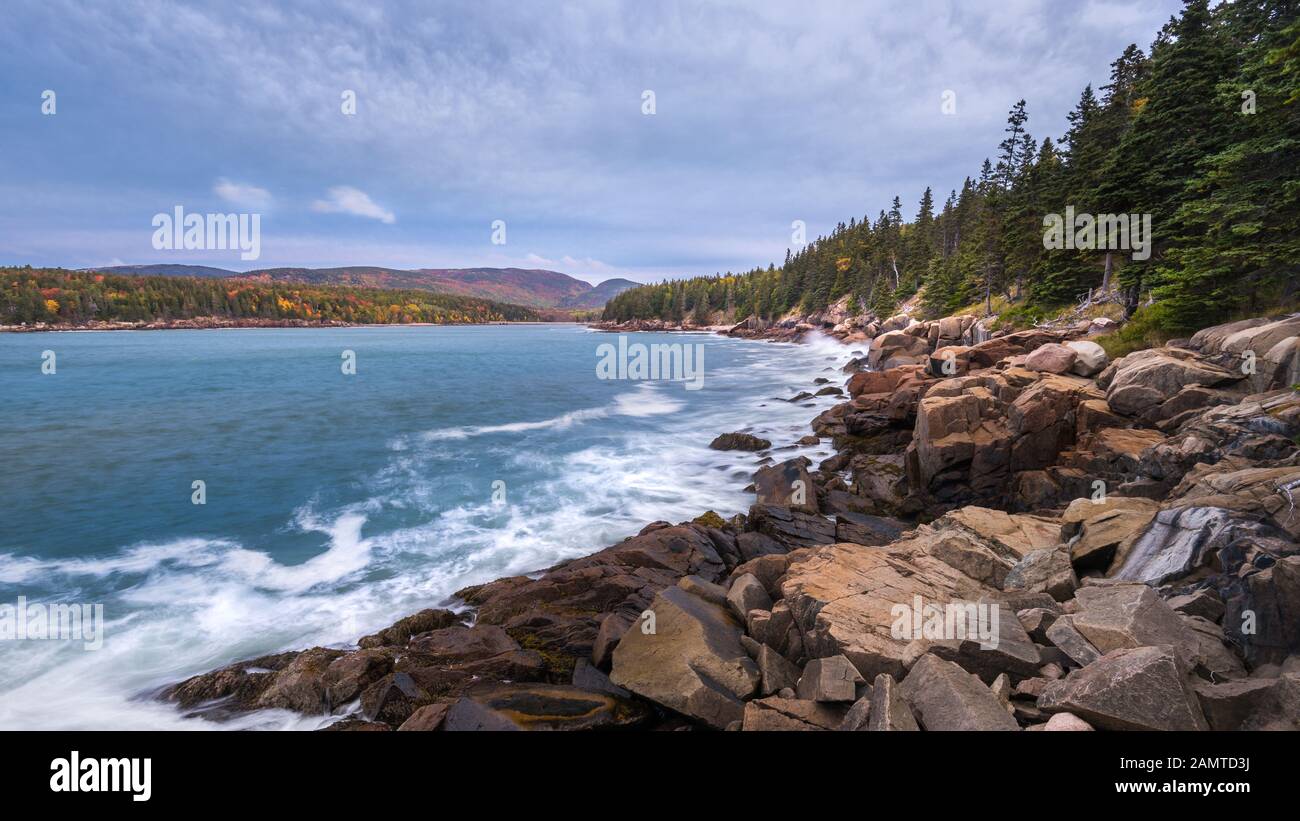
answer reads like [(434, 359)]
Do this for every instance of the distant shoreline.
[(212, 324)]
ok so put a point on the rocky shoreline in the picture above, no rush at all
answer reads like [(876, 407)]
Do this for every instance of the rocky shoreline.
[(1127, 529)]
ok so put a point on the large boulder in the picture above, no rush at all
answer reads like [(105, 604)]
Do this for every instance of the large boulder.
[(996, 643), (1123, 616), (1252, 704), (787, 484), (943, 696), (895, 348), (1019, 534), (1144, 688), (1048, 571), (829, 679), (1052, 358), (1090, 358), (843, 597), (1096, 529), (1179, 540), (693, 662), (1142, 381), (740, 441)]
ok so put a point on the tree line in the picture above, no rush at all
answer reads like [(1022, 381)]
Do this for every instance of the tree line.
[(1201, 132), (57, 296)]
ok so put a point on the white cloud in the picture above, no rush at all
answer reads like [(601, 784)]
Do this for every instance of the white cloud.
[(242, 194), (344, 199)]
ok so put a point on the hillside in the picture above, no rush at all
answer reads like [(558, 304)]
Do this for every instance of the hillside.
[(1170, 144), (62, 298), (534, 288), (601, 294)]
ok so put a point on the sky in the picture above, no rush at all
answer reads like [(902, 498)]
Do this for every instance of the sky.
[(533, 114)]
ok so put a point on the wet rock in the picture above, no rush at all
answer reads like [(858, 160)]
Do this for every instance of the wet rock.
[(393, 699), (540, 707), (739, 441), (560, 612), (301, 685), (1179, 540), (352, 724), (401, 631), (428, 718), (451, 645), (787, 485), (230, 689), (348, 675), (1144, 688), (791, 528), (1263, 613)]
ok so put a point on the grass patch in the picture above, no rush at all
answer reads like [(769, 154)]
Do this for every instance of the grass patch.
[(1145, 329)]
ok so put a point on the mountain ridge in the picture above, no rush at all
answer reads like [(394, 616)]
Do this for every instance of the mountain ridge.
[(529, 287)]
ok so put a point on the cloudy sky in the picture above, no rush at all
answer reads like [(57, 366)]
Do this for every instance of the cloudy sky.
[(526, 112)]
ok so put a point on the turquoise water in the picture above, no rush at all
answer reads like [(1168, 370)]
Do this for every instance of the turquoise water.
[(335, 503)]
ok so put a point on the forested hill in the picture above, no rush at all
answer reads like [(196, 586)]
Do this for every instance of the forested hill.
[(534, 287), (76, 298), (1201, 132)]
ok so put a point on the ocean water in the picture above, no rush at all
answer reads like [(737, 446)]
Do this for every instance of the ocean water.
[(335, 503)]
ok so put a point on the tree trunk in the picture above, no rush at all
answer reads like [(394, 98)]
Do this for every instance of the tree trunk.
[(1105, 277)]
